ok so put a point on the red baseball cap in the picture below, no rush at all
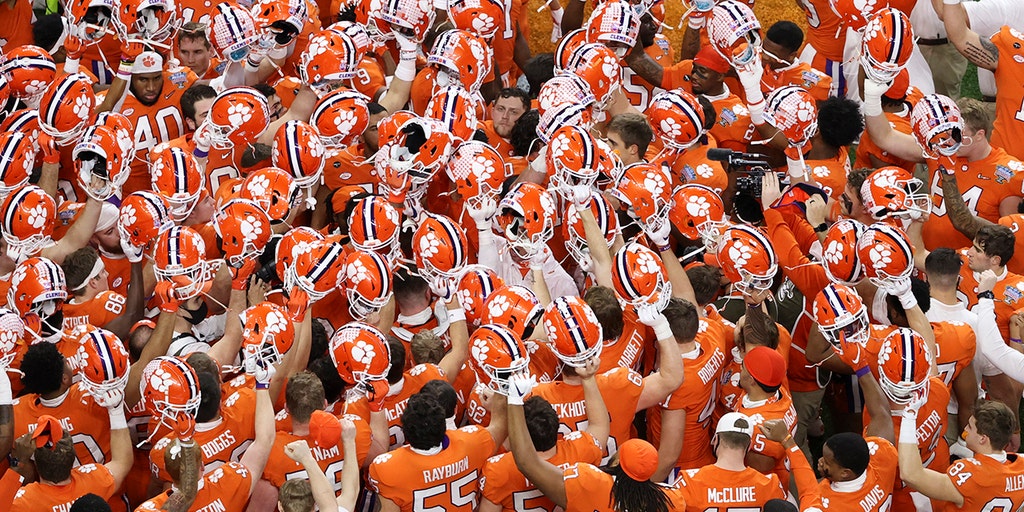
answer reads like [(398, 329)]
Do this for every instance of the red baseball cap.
[(765, 366)]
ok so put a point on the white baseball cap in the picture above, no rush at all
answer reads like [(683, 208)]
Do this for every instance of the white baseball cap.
[(148, 62), (728, 424)]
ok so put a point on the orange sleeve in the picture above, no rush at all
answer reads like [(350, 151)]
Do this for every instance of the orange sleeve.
[(677, 75), (9, 486), (808, 277), (806, 481)]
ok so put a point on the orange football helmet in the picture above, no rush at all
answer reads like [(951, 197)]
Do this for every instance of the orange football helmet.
[(564, 89), (29, 216), (462, 59), (29, 71), (412, 17), (37, 286), (576, 158), (887, 44), (12, 331), (101, 165), (238, 116), (886, 254), (476, 284), (792, 111), (440, 248), (839, 252), (153, 21), (317, 271), (330, 59), (273, 190), (177, 176), (841, 315), (734, 32), (421, 148), (180, 258), (894, 192), (233, 32), (26, 121), (280, 20), (677, 118), (856, 13), (478, 171), (480, 17), (341, 117), (103, 361), (564, 114), (361, 353), (367, 14), (904, 364), (639, 277), (566, 47), (67, 108), (575, 235), (299, 150), (599, 67), (143, 217), (91, 19), (527, 216), (123, 127), (243, 229), (573, 330), (17, 158), (615, 24), (455, 109), (498, 353), (937, 125), (367, 281), (170, 389), (747, 258), (699, 214), (515, 307), (645, 191), (296, 241), (374, 226), (267, 333)]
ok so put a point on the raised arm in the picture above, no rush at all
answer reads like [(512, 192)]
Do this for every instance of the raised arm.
[(898, 144), (660, 384), (881, 424), (159, 341), (599, 423), (255, 457), (135, 303), (543, 474), (451, 363), (929, 482), (981, 51)]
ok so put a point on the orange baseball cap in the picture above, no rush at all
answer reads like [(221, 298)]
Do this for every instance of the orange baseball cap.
[(638, 459), (48, 431), (324, 428)]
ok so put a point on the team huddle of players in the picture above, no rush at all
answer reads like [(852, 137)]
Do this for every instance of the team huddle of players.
[(295, 255)]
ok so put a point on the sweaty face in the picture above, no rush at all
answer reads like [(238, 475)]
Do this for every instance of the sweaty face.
[(195, 54), (506, 112), (146, 87)]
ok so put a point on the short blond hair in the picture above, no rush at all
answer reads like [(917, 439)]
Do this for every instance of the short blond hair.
[(976, 116), (296, 496)]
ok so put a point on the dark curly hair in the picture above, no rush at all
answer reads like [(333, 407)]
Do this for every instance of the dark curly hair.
[(423, 422), (42, 369), (839, 122)]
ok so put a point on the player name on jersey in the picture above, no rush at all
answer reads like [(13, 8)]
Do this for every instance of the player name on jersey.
[(446, 471)]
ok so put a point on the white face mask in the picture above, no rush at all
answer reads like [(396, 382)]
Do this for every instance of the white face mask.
[(620, 52)]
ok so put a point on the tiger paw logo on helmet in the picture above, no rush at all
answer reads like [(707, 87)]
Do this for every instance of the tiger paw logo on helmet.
[(258, 185), (671, 127), (484, 167), (880, 256), (560, 146), (357, 272), (82, 107), (430, 245), (498, 306), (655, 182), (37, 216), (885, 353), (805, 111), (239, 114), (484, 24), (251, 228), (128, 216), (345, 121), (740, 253), (697, 206), (276, 322), (480, 349), (834, 252), (646, 263), (160, 380), (363, 352)]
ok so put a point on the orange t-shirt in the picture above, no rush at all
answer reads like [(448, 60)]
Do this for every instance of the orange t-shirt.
[(119, 272), (448, 480), (875, 494), (1009, 292), (983, 185), (693, 166), (988, 484), (330, 459), (369, 79), (801, 75), (711, 486), (589, 489), (98, 311), (733, 128), (394, 405), (85, 479), (503, 484), (225, 488), (499, 143), (16, 25), (1014, 222), (1009, 130)]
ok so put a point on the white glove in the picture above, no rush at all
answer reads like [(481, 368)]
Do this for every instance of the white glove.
[(651, 316), (110, 398), (443, 287), (134, 254), (202, 137), (873, 92), (750, 76), (406, 44), (264, 374), (519, 387), (556, 23), (581, 196), (659, 237), (917, 400), (538, 257), (901, 289), (483, 213)]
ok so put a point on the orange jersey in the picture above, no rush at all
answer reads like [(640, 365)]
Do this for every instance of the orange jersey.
[(588, 489), (800, 75), (825, 31), (638, 91), (119, 272), (956, 344), (16, 20), (983, 184), (730, 391), (733, 128), (85, 479), (1009, 292), (448, 480), (504, 42), (620, 389), (830, 174), (476, 413), (79, 416), (1008, 130), (349, 167), (875, 493), (98, 311), (628, 350), (221, 441), (900, 122), (503, 484), (693, 166), (778, 407), (226, 488), (394, 405), (711, 486), (369, 79), (330, 459), (702, 369), (160, 122), (499, 143), (1015, 222), (987, 483)]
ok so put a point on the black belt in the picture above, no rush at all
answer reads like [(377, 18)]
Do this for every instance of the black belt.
[(988, 99), (932, 42)]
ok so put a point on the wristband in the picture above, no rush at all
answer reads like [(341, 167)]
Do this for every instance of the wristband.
[(663, 248), (908, 428), (406, 69), (757, 112), (951, 2), (456, 315), (1016, 340), (908, 300), (262, 385), (872, 106), (117, 421), (252, 67), (789, 437), (863, 371), (124, 70), (198, 153), (662, 330)]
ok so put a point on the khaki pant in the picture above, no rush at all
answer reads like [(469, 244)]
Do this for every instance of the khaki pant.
[(948, 67), (807, 405)]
